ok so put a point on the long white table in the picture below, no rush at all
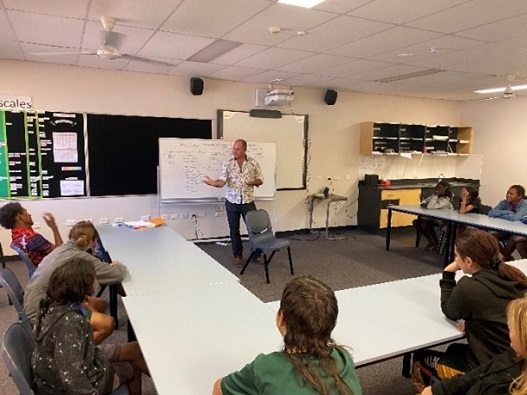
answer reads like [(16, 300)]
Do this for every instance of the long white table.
[(395, 318), (159, 259), (454, 218), (195, 321), (190, 337)]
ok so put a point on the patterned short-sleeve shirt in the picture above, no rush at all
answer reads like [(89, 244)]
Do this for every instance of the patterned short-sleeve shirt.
[(236, 178), (33, 244)]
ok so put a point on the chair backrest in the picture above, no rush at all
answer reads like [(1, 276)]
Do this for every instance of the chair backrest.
[(484, 209), (16, 294), (17, 347), (258, 222), (13, 287), (23, 256)]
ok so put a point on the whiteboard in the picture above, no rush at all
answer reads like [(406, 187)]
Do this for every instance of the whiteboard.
[(184, 163), (289, 133)]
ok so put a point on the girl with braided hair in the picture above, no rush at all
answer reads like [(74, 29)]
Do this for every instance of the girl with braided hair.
[(478, 302), (310, 362)]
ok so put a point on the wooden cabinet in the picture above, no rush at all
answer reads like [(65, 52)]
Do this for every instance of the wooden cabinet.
[(373, 207), (403, 197), (394, 138)]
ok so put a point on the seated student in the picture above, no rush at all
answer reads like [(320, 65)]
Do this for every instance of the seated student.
[(469, 201), (310, 362), (81, 238), (504, 374), (66, 360), (513, 208), (480, 300), (441, 199), (15, 217)]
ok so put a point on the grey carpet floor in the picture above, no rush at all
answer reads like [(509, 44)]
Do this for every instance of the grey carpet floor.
[(358, 259)]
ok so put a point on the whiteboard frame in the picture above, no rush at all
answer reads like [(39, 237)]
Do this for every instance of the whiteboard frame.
[(221, 129)]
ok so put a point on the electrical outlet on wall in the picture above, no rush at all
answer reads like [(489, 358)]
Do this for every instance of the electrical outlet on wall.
[(70, 222), (104, 221), (165, 216), (36, 225), (118, 220), (183, 215), (145, 217)]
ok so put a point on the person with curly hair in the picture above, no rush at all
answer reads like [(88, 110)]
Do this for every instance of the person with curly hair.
[(310, 362), (16, 218)]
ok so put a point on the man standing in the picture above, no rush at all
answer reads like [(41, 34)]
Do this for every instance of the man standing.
[(15, 217), (241, 173)]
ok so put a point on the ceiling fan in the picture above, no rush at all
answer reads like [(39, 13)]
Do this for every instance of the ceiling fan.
[(108, 49)]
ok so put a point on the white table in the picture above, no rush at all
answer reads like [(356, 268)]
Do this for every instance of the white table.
[(159, 259), (190, 337), (395, 318), (453, 218)]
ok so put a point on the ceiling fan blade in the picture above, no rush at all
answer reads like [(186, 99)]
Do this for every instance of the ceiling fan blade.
[(62, 53), (146, 60)]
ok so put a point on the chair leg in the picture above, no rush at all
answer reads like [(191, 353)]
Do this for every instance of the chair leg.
[(2, 258), (290, 261), (266, 266), (247, 262)]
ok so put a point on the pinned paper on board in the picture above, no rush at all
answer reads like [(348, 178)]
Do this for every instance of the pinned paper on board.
[(372, 162)]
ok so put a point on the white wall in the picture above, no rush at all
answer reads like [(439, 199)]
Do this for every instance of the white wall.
[(500, 135), (333, 135)]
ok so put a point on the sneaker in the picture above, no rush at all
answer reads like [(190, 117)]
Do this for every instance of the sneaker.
[(238, 261)]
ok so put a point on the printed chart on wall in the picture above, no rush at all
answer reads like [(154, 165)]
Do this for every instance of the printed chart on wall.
[(41, 154), (184, 163)]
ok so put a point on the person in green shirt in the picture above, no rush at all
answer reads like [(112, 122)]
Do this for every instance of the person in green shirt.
[(310, 361)]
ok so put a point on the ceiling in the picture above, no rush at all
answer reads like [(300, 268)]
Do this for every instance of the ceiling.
[(457, 46)]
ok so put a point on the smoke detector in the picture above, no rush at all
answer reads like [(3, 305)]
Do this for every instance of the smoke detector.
[(275, 29)]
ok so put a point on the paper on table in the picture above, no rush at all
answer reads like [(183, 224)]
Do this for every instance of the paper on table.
[(407, 155)]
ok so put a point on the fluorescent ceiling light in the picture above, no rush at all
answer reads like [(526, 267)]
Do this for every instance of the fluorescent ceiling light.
[(213, 51), (502, 89), (301, 3)]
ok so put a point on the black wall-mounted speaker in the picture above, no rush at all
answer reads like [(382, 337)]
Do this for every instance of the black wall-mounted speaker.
[(331, 97), (196, 86)]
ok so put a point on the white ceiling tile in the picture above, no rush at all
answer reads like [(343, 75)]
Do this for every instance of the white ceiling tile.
[(69, 8), (338, 31), (314, 63), (267, 76), (6, 31), (437, 47), (60, 57), (48, 30), (272, 58), (352, 68), (388, 40), (402, 11), (10, 50), (470, 14), (290, 19), (340, 6), (314, 81), (138, 13), (212, 18), (195, 69), (173, 46), (234, 73), (497, 31)]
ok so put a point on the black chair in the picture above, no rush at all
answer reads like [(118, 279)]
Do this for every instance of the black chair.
[(17, 346), (263, 240), (484, 209), (15, 292)]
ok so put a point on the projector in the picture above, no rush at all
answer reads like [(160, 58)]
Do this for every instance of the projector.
[(278, 97)]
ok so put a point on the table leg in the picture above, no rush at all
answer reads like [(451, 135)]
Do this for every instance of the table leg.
[(327, 220), (113, 303), (389, 229), (131, 333), (407, 365), (452, 243), (311, 213)]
